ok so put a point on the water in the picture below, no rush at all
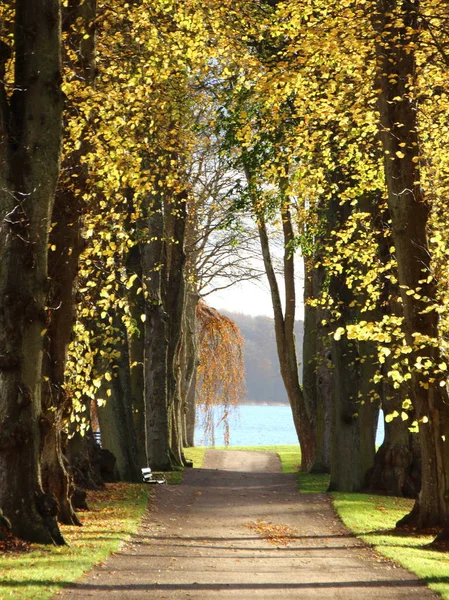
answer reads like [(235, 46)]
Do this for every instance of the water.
[(258, 425)]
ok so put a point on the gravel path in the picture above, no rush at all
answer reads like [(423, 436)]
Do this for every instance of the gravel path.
[(238, 529)]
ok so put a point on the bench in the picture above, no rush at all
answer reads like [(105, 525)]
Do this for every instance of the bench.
[(149, 477)]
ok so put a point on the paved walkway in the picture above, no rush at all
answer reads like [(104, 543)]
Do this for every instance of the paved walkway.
[(205, 540)]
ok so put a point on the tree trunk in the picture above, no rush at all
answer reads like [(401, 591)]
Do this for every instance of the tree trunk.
[(81, 451), (354, 416), (189, 367), (30, 150), (65, 248), (284, 327), (136, 303), (63, 268), (397, 465), (397, 38), (174, 301), (115, 416), (156, 342), (317, 388)]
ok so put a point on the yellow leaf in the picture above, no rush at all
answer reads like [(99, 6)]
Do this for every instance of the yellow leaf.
[(338, 333)]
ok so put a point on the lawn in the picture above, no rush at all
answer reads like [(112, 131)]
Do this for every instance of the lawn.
[(39, 574), (373, 518), (116, 512)]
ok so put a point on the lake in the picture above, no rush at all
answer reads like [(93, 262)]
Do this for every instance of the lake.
[(260, 425)]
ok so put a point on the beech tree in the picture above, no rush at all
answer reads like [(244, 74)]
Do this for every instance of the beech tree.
[(397, 25), (31, 136)]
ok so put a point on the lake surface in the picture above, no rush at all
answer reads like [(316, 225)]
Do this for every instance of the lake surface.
[(258, 425)]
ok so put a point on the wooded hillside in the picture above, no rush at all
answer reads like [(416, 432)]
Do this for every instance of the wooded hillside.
[(263, 380)]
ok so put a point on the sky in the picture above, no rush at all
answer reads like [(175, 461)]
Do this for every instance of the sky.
[(253, 298)]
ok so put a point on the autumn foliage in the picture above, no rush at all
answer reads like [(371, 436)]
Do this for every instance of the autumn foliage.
[(221, 370)]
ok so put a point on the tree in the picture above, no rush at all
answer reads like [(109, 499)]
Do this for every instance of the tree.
[(221, 371), (398, 29), (31, 135)]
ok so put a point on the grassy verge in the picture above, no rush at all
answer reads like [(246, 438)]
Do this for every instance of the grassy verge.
[(114, 516), (373, 518)]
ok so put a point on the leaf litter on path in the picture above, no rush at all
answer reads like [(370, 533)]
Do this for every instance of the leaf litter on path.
[(274, 534)]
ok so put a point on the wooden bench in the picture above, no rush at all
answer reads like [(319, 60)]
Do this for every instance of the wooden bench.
[(149, 477)]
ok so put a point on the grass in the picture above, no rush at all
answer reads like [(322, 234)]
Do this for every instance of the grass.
[(116, 512), (115, 515), (289, 454), (373, 518)]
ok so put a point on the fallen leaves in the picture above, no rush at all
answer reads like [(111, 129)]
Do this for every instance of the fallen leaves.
[(11, 544), (278, 535)]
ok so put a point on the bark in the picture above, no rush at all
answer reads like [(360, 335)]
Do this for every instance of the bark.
[(189, 367), (156, 341), (317, 376), (284, 329), (354, 416), (30, 149), (63, 268), (397, 465), (410, 214), (65, 248), (115, 416), (85, 461), (136, 304), (176, 213)]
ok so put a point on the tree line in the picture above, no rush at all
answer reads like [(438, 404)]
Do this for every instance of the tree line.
[(144, 146)]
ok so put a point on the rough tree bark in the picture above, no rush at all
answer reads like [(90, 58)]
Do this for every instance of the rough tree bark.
[(398, 29), (115, 416), (354, 416), (284, 322), (156, 340), (65, 248), (317, 376), (397, 464), (189, 367), (136, 304), (30, 152), (174, 301)]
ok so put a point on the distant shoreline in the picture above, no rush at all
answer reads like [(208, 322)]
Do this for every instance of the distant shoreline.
[(252, 403)]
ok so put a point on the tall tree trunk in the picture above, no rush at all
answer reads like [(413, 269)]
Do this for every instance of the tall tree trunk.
[(284, 327), (354, 416), (115, 416), (156, 341), (397, 26), (317, 387), (136, 303), (397, 465), (189, 368), (174, 301), (31, 134), (65, 247)]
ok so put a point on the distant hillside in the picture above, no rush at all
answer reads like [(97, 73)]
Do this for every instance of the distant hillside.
[(263, 380)]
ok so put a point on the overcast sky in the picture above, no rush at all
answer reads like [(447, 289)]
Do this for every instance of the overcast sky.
[(252, 298)]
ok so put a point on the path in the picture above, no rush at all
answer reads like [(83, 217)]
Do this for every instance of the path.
[(198, 542)]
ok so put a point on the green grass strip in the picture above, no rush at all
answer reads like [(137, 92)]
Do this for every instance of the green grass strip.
[(114, 516), (372, 518)]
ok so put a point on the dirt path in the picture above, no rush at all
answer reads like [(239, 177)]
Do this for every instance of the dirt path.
[(199, 541)]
